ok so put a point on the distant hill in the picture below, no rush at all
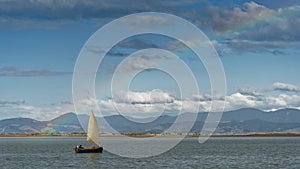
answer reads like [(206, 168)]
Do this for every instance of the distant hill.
[(238, 121), (21, 125), (67, 123), (279, 116)]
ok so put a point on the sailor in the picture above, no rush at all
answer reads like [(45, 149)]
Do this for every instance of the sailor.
[(80, 146)]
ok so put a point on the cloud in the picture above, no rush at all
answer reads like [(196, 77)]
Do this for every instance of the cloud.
[(12, 71), (252, 28), (151, 104), (149, 97), (143, 108), (253, 21), (249, 27), (221, 19), (19, 108), (77, 9), (147, 19), (249, 21), (137, 43), (239, 46), (206, 97), (286, 87), (238, 100), (280, 26), (36, 13), (250, 92), (125, 47), (155, 102), (66, 102), (141, 61), (57, 10), (16, 108), (7, 102), (132, 64)]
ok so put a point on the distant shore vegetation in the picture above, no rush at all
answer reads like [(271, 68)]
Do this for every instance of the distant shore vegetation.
[(254, 134)]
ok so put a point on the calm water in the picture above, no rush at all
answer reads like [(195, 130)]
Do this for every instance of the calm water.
[(57, 152)]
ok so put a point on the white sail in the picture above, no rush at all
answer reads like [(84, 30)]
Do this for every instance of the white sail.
[(93, 130)]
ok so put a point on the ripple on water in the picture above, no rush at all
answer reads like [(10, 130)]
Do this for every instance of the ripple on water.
[(57, 152)]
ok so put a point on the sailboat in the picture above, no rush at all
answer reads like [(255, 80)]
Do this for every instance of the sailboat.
[(92, 137)]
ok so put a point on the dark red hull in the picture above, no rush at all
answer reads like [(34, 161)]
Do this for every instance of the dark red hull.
[(89, 150)]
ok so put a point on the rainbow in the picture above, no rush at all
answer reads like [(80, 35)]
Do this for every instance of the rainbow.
[(269, 18)]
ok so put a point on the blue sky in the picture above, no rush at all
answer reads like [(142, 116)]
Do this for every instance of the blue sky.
[(258, 43)]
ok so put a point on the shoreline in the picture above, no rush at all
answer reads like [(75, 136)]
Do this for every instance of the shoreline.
[(255, 134)]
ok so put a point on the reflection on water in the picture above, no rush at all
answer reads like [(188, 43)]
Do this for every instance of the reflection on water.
[(57, 152)]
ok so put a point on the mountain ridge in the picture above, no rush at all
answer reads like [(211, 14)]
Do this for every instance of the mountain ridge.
[(242, 120), (66, 123)]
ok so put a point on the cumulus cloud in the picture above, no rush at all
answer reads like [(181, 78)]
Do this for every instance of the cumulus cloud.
[(149, 97), (151, 104), (12, 71), (238, 100), (286, 87), (234, 101)]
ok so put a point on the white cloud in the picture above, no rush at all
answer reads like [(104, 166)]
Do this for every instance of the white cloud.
[(286, 87), (13, 109), (149, 97), (151, 104), (239, 100)]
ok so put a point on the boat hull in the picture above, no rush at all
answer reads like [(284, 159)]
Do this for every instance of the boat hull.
[(89, 150)]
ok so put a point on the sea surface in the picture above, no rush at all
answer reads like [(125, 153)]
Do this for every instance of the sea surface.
[(224, 152)]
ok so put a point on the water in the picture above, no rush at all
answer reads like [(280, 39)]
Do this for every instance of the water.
[(233, 152)]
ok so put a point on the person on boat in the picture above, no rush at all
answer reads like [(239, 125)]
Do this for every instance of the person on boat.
[(80, 146)]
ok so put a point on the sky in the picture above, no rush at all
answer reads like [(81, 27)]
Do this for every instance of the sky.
[(258, 43)]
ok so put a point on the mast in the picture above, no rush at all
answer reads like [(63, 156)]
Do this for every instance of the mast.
[(93, 130)]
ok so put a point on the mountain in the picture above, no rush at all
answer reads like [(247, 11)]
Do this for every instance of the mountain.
[(280, 116), (67, 123), (238, 121), (21, 125)]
